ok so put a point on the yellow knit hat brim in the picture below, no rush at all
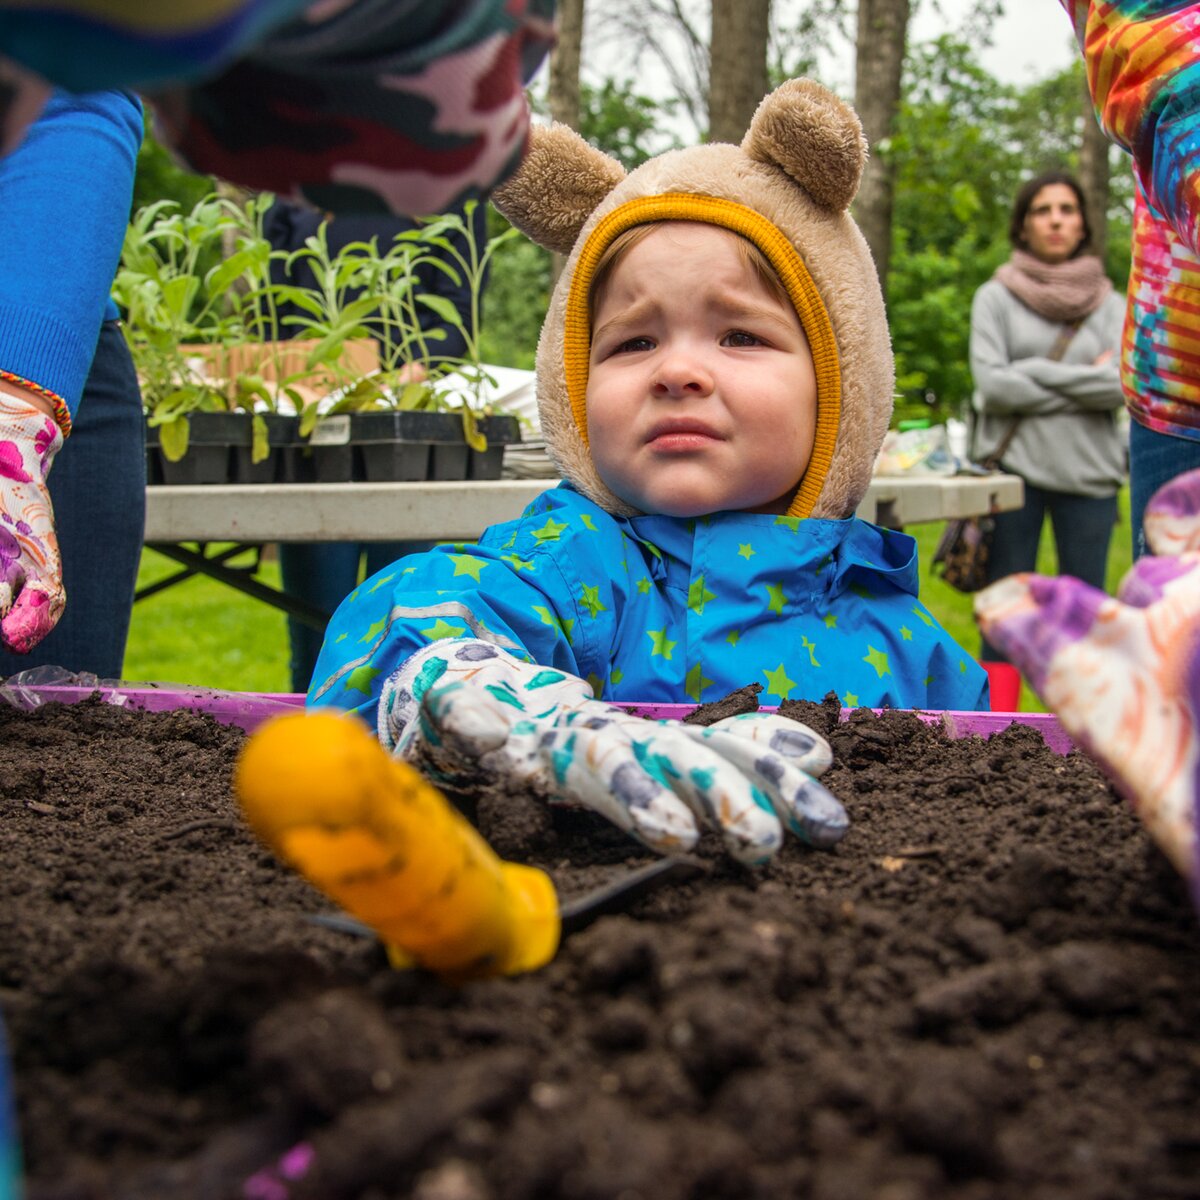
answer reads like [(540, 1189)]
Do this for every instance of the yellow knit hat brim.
[(787, 264)]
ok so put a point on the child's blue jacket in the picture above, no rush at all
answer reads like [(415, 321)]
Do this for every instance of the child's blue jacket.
[(663, 609)]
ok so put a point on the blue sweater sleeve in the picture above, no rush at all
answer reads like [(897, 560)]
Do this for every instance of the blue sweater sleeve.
[(65, 194)]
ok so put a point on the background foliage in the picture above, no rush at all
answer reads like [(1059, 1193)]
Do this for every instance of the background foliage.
[(964, 145)]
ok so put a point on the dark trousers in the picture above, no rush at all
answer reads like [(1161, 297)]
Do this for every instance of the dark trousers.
[(1154, 460), (1082, 527), (98, 487)]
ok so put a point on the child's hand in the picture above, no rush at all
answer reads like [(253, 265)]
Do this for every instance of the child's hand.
[(469, 713), (1123, 674)]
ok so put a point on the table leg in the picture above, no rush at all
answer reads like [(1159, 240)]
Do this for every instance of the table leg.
[(197, 562)]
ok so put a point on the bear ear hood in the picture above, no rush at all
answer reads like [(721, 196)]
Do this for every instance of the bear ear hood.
[(787, 187), (817, 140), (561, 181)]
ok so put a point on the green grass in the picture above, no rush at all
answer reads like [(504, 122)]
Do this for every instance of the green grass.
[(205, 634), (953, 609)]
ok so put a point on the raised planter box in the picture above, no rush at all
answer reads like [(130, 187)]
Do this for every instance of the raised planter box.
[(246, 709), (989, 989)]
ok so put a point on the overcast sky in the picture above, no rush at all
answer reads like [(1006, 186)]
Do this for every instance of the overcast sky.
[(1032, 39)]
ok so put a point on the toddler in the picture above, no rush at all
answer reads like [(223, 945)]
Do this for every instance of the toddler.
[(714, 382)]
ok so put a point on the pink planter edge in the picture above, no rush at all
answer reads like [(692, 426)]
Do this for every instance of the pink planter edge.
[(250, 709)]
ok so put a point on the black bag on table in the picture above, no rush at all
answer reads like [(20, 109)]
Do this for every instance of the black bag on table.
[(966, 542), (963, 552)]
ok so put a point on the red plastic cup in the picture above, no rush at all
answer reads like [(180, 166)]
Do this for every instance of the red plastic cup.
[(1004, 686)]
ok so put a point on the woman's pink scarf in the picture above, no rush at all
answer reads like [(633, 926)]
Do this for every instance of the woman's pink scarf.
[(1065, 291)]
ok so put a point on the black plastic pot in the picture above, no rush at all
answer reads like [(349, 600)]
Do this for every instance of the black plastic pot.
[(500, 432), (400, 447), (408, 446), (376, 447), (330, 456), (154, 471), (283, 434), (211, 439)]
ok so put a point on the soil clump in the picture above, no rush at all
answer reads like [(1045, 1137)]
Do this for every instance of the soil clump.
[(990, 989)]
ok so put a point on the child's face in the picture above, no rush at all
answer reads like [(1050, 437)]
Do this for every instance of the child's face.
[(701, 393)]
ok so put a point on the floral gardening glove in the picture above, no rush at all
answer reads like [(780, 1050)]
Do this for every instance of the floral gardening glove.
[(31, 588), (1123, 674), (464, 710)]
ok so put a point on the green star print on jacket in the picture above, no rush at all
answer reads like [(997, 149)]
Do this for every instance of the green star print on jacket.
[(661, 609)]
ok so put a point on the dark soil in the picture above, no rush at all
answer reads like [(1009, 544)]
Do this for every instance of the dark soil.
[(990, 989)]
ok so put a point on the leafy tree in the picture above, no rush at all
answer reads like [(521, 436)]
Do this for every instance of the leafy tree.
[(801, 35), (159, 177), (514, 304), (737, 65), (956, 163), (879, 52), (624, 123), (673, 34), (963, 146)]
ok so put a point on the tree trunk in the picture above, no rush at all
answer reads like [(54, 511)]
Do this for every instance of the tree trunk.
[(879, 63), (1093, 174), (737, 78), (564, 84), (564, 64)]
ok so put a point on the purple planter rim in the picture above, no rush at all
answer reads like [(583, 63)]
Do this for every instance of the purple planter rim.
[(250, 709)]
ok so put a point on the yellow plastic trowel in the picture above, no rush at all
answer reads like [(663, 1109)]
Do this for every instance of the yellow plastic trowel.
[(378, 839)]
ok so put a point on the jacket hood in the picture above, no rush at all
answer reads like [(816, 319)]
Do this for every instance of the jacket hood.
[(787, 188)]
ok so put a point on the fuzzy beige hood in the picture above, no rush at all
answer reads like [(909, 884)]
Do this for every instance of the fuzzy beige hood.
[(798, 167)]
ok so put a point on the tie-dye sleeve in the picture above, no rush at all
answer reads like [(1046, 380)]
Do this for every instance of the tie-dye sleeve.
[(1143, 67), (410, 106)]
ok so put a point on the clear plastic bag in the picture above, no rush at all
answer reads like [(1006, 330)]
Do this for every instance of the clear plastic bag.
[(31, 689), (916, 452)]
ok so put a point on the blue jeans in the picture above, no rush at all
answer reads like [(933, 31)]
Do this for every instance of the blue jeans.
[(1082, 527), (98, 487), (1154, 460), (324, 574)]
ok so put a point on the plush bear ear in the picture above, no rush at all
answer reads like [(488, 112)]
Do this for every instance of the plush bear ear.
[(557, 186), (813, 136)]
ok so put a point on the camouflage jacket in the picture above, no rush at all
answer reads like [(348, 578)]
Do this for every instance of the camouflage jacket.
[(356, 106)]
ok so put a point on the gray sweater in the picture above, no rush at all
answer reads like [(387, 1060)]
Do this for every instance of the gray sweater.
[(1068, 439)]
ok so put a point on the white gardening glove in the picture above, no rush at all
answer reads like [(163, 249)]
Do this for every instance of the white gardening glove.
[(465, 711), (31, 587)]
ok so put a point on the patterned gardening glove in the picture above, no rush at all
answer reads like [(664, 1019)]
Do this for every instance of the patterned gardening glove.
[(465, 711), (1123, 674), (31, 588)]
